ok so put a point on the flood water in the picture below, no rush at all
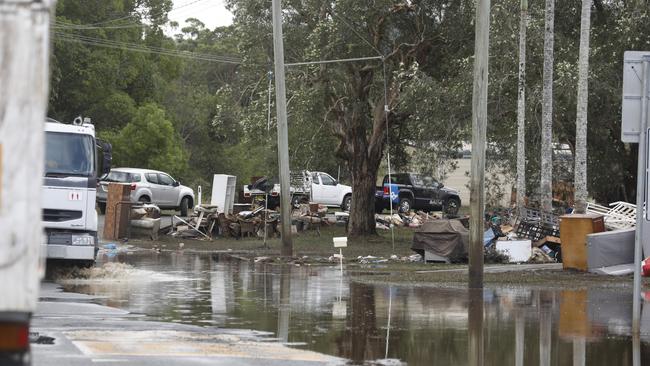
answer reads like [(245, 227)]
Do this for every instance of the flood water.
[(317, 308)]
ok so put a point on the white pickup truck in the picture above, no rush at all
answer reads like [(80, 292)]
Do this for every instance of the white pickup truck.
[(306, 186)]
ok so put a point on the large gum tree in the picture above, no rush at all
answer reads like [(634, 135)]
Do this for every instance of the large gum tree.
[(357, 101)]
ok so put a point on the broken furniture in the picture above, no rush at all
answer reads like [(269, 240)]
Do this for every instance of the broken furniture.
[(145, 218), (118, 206), (574, 229), (441, 240), (609, 249), (223, 192), (535, 225), (620, 215), (200, 224)]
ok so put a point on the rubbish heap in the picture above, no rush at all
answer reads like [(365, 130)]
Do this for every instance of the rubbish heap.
[(411, 219)]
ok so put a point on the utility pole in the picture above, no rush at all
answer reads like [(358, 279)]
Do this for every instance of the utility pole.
[(24, 75), (479, 127), (283, 135)]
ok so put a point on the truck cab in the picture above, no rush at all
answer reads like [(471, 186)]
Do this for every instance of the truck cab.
[(409, 191), (69, 191), (306, 186), (329, 192)]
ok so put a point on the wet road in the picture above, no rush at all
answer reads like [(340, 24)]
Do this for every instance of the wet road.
[(317, 309)]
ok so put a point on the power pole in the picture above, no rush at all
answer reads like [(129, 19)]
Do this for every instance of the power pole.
[(283, 135), (24, 76), (479, 127)]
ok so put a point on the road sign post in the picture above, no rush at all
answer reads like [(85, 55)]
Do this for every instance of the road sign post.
[(636, 129)]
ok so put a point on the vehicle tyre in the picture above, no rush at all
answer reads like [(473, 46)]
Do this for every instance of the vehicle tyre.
[(452, 206), (185, 203), (405, 205), (347, 203), (102, 207), (379, 208), (144, 199), (296, 200)]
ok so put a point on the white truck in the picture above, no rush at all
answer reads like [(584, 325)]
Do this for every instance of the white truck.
[(69, 191), (306, 186)]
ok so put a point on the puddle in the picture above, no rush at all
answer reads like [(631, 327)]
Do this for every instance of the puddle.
[(317, 309)]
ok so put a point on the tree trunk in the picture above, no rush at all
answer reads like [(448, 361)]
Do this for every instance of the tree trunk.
[(363, 169), (546, 174), (362, 147), (521, 109), (362, 212), (580, 169)]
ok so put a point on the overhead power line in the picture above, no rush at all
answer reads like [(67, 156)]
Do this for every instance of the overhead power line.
[(98, 42), (334, 61), (96, 25)]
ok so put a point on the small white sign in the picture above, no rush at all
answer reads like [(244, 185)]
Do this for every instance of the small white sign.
[(74, 196), (340, 242)]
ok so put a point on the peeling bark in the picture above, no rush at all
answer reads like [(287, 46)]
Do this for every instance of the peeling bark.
[(546, 174), (521, 109)]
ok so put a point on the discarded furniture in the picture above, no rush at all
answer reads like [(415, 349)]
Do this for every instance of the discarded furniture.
[(518, 251), (145, 218), (610, 248), (200, 224), (535, 225), (247, 228), (150, 226), (223, 192), (118, 207), (441, 240), (620, 215), (574, 229)]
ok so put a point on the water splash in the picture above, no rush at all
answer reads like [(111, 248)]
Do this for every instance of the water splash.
[(114, 273)]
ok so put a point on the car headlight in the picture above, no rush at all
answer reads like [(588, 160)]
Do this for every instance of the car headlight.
[(83, 240)]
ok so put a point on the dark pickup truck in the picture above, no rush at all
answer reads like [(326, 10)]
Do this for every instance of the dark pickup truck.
[(413, 191)]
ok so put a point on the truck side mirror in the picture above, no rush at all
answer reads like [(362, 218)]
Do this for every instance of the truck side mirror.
[(107, 155), (176, 183)]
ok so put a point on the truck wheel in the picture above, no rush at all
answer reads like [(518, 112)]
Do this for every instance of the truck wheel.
[(296, 200), (185, 203), (452, 206), (404, 205), (347, 203)]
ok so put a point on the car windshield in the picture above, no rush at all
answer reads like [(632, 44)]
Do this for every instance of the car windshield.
[(121, 177), (69, 154)]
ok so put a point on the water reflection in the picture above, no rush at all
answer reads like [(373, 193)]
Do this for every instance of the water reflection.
[(319, 309), (475, 327)]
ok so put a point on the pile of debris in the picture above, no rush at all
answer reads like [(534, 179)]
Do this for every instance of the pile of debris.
[(309, 216), (206, 223), (201, 223), (411, 219)]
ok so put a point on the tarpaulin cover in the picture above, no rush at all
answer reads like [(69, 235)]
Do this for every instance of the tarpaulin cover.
[(446, 238)]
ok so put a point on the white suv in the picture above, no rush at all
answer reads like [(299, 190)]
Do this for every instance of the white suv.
[(148, 186)]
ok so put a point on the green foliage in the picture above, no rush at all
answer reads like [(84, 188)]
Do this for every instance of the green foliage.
[(196, 118), (148, 141)]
